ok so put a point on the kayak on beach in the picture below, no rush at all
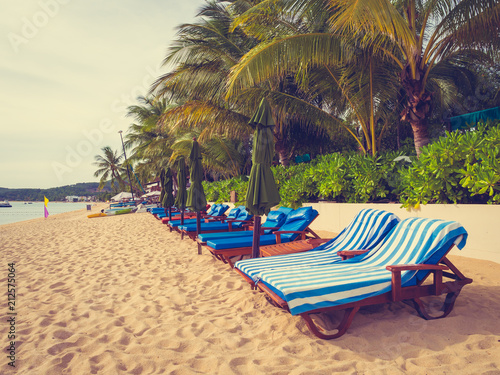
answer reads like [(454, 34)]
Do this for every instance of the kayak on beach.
[(111, 213)]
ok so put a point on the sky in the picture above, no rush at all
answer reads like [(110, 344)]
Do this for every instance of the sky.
[(68, 71)]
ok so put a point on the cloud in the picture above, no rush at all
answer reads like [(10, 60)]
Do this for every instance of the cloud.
[(78, 67)]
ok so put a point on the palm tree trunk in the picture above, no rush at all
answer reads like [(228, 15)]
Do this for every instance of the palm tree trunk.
[(418, 106), (283, 153), (420, 134)]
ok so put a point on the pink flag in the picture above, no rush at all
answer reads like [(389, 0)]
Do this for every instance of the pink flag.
[(45, 212)]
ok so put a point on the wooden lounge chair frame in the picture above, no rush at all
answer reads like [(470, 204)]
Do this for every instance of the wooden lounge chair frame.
[(292, 247), (410, 295), (187, 215), (194, 235), (205, 218), (245, 227), (226, 254)]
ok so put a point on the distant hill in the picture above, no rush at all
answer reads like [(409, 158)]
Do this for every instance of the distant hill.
[(53, 194)]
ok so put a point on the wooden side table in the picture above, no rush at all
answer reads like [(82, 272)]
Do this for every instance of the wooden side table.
[(292, 247)]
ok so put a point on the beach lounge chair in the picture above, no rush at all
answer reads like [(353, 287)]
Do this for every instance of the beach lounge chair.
[(187, 214), (368, 228), (218, 213), (233, 222), (176, 214), (297, 224), (275, 219), (157, 212), (394, 271)]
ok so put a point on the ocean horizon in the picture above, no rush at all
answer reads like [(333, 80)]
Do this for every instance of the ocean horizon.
[(21, 210)]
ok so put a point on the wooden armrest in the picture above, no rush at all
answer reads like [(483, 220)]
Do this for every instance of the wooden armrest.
[(416, 267), (280, 232), (348, 254), (398, 268), (212, 216), (215, 218)]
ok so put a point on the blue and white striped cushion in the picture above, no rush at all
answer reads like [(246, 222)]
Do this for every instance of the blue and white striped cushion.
[(412, 241), (365, 231)]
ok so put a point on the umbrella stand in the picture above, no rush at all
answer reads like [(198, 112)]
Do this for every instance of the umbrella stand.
[(256, 237)]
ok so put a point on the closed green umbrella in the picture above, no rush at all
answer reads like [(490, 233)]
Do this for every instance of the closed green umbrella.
[(180, 199), (262, 193), (196, 200), (166, 186), (162, 182)]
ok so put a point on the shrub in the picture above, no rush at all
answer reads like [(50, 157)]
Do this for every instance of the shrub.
[(293, 185), (458, 168), (329, 176), (220, 191)]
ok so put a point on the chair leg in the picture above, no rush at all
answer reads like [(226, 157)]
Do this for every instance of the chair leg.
[(342, 327), (219, 257), (448, 304)]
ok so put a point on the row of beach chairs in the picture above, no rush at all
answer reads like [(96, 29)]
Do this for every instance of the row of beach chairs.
[(377, 258)]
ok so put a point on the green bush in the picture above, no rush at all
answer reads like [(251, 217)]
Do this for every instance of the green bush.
[(220, 191), (294, 188), (458, 168), (329, 176)]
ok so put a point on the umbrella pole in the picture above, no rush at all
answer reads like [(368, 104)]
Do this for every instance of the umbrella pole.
[(198, 228), (170, 214), (256, 237)]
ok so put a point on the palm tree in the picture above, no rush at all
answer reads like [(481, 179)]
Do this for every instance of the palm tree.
[(203, 56), (149, 143), (110, 167), (432, 42), (222, 156), (429, 46), (336, 82)]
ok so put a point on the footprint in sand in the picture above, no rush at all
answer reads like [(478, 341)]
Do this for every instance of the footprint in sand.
[(62, 334), (56, 285)]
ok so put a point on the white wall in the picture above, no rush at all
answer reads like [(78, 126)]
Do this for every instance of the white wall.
[(482, 222)]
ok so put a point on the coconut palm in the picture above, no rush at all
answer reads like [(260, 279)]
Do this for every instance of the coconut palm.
[(430, 41), (434, 45), (110, 168), (222, 156), (203, 56), (150, 144), (338, 83)]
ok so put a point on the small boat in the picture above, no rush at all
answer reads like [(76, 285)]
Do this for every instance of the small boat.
[(112, 213), (5, 204), (100, 214)]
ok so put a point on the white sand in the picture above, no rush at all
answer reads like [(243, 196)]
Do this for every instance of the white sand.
[(122, 295)]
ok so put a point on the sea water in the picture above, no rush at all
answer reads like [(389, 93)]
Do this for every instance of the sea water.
[(21, 211)]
